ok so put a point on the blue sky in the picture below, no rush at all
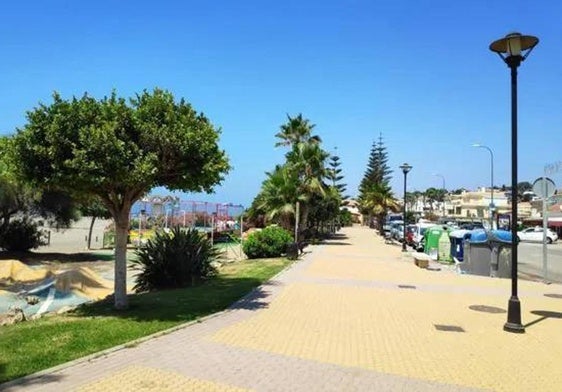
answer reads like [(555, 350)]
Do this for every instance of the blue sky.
[(420, 72)]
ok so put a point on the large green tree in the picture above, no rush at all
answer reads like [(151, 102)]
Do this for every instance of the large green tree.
[(335, 177), (299, 179), (378, 171), (374, 189), (20, 199), (377, 200), (296, 130), (117, 150), (307, 161), (277, 198)]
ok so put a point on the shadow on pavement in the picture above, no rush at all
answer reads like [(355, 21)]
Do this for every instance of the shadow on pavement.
[(21, 384), (253, 301), (35, 258), (544, 314), (335, 243)]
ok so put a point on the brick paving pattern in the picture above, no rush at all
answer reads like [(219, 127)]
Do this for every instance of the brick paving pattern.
[(354, 315)]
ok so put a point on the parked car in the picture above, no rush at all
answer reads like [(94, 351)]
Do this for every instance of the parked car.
[(418, 231), (397, 230), (535, 234)]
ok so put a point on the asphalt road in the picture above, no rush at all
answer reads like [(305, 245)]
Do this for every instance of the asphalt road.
[(531, 261)]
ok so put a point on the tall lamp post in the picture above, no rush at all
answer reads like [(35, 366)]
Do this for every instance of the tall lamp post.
[(405, 169), (444, 191), (492, 206), (513, 49)]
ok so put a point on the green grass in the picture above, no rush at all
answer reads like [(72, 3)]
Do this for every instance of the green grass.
[(32, 346)]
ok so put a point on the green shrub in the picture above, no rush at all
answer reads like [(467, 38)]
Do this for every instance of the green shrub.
[(173, 260), (21, 235), (345, 218), (269, 242)]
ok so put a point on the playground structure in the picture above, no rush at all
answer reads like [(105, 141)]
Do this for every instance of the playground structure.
[(47, 288), (221, 221), (170, 211)]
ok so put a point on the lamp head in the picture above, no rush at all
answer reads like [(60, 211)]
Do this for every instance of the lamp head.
[(514, 47), (405, 168)]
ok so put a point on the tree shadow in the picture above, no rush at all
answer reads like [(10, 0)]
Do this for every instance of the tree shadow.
[(329, 242), (253, 301), (184, 304), (33, 258), (19, 384), (544, 314)]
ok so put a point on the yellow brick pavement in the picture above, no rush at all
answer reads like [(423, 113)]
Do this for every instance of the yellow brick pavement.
[(392, 330), (141, 378)]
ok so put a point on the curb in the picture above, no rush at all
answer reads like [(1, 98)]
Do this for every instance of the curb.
[(104, 353)]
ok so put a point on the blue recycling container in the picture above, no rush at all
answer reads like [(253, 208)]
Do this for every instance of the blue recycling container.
[(478, 236), (457, 238), (501, 236)]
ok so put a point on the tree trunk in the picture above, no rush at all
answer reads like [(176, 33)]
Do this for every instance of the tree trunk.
[(121, 234), (303, 221), (90, 232)]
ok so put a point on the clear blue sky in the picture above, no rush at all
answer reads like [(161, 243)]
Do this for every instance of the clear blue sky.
[(420, 72)]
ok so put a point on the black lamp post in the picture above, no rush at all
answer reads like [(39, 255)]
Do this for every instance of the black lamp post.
[(513, 49), (405, 169)]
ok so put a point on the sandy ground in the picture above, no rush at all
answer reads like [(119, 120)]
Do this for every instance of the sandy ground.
[(74, 239)]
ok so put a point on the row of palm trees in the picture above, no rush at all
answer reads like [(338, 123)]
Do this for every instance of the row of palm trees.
[(300, 181), (377, 200), (427, 198)]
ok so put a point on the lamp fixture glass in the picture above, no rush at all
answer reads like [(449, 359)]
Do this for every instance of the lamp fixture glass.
[(405, 168), (514, 45)]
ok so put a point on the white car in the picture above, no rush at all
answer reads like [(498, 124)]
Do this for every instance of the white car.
[(534, 234)]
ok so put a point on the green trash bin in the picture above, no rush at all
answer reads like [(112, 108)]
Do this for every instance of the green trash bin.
[(437, 243), (444, 248), (432, 236)]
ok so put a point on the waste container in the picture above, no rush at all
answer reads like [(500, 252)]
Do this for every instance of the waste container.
[(437, 243), (500, 244), (432, 236), (477, 253), (457, 249)]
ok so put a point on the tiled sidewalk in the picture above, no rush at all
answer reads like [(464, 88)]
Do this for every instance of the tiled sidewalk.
[(354, 315)]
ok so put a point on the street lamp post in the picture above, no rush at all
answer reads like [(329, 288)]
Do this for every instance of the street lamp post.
[(492, 206), (444, 191), (513, 49), (213, 215), (405, 169), (184, 213)]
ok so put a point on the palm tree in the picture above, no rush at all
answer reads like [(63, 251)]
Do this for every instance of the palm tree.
[(378, 200), (432, 195), (296, 130), (278, 196), (308, 161)]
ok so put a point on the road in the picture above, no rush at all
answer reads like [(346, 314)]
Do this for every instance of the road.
[(531, 264)]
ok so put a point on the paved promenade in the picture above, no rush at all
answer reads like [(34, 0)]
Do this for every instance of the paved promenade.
[(353, 315)]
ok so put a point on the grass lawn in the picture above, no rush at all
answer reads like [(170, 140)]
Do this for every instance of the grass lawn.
[(31, 346)]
